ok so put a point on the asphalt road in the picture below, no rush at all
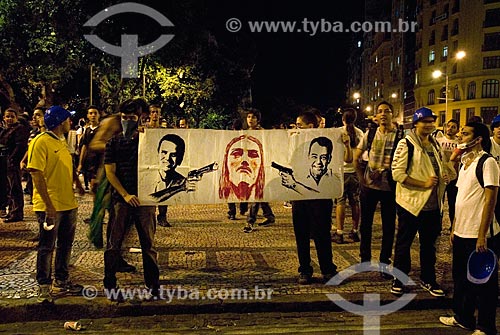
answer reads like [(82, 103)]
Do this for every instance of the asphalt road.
[(403, 322)]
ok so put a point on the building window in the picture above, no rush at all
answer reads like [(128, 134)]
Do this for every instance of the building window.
[(490, 1), (492, 18), (442, 118), (471, 91), (455, 45), (456, 93), (488, 113), (455, 114), (432, 56), (445, 52), (491, 42), (442, 95), (431, 97), (433, 18), (471, 111), (490, 89), (492, 62), (456, 6), (444, 34), (432, 39), (454, 29)]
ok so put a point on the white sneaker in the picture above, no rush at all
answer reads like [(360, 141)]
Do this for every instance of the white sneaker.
[(451, 322), (478, 332), (45, 294)]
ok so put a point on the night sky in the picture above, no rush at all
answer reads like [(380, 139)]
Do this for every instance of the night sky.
[(308, 69), (293, 67)]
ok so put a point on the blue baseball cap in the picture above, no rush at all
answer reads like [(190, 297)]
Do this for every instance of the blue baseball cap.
[(423, 112), (54, 116), (481, 266), (496, 122)]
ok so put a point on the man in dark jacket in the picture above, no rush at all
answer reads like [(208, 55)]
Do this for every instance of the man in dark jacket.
[(14, 142)]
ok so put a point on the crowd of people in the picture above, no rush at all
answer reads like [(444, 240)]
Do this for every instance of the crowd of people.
[(408, 173)]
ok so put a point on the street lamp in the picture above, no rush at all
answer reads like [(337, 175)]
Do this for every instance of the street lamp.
[(438, 73)]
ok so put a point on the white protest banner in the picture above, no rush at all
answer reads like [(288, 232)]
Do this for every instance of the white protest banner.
[(201, 166)]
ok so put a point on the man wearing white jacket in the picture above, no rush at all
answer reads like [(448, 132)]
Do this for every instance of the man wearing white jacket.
[(418, 170)]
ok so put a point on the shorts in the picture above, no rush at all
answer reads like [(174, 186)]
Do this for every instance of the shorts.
[(351, 190)]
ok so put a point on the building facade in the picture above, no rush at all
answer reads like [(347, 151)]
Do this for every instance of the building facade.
[(401, 67), (470, 85)]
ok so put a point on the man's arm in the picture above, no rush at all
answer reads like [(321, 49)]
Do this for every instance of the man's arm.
[(41, 187), (348, 151), (131, 199), (108, 127), (490, 193), (83, 156), (359, 168)]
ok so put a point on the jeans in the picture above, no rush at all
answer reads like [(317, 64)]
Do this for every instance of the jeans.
[(467, 296), (15, 194), (162, 211), (451, 194), (254, 208), (232, 208), (313, 218), (145, 223), (428, 225), (369, 200), (64, 233)]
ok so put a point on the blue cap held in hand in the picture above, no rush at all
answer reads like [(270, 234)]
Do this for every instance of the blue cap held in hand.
[(481, 266)]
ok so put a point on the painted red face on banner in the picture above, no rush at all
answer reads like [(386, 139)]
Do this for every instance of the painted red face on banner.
[(244, 161)]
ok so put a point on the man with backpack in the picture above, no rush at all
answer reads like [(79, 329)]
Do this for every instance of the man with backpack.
[(421, 181), (474, 229), (375, 182)]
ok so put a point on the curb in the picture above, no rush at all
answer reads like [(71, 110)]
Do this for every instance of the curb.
[(76, 308)]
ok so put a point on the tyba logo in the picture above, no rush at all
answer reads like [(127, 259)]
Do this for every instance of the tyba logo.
[(129, 51), (371, 310)]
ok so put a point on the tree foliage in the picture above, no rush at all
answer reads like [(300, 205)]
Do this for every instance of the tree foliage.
[(199, 74)]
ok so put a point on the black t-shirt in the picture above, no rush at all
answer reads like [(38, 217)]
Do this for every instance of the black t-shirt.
[(124, 153)]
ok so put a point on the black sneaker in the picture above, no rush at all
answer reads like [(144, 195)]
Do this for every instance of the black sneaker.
[(67, 286), (266, 222), (353, 235), (328, 276), (248, 228), (162, 221), (305, 279), (397, 288), (126, 267), (433, 289), (338, 238), (385, 273)]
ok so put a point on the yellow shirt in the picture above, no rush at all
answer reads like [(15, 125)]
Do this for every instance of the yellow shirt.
[(51, 155)]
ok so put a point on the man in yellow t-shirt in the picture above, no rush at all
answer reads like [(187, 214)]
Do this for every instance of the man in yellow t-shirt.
[(51, 167)]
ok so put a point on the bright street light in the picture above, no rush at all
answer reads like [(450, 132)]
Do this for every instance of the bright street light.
[(356, 95), (438, 73), (460, 54)]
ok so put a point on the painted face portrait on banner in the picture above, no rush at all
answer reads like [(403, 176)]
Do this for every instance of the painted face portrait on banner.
[(319, 157), (243, 169)]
